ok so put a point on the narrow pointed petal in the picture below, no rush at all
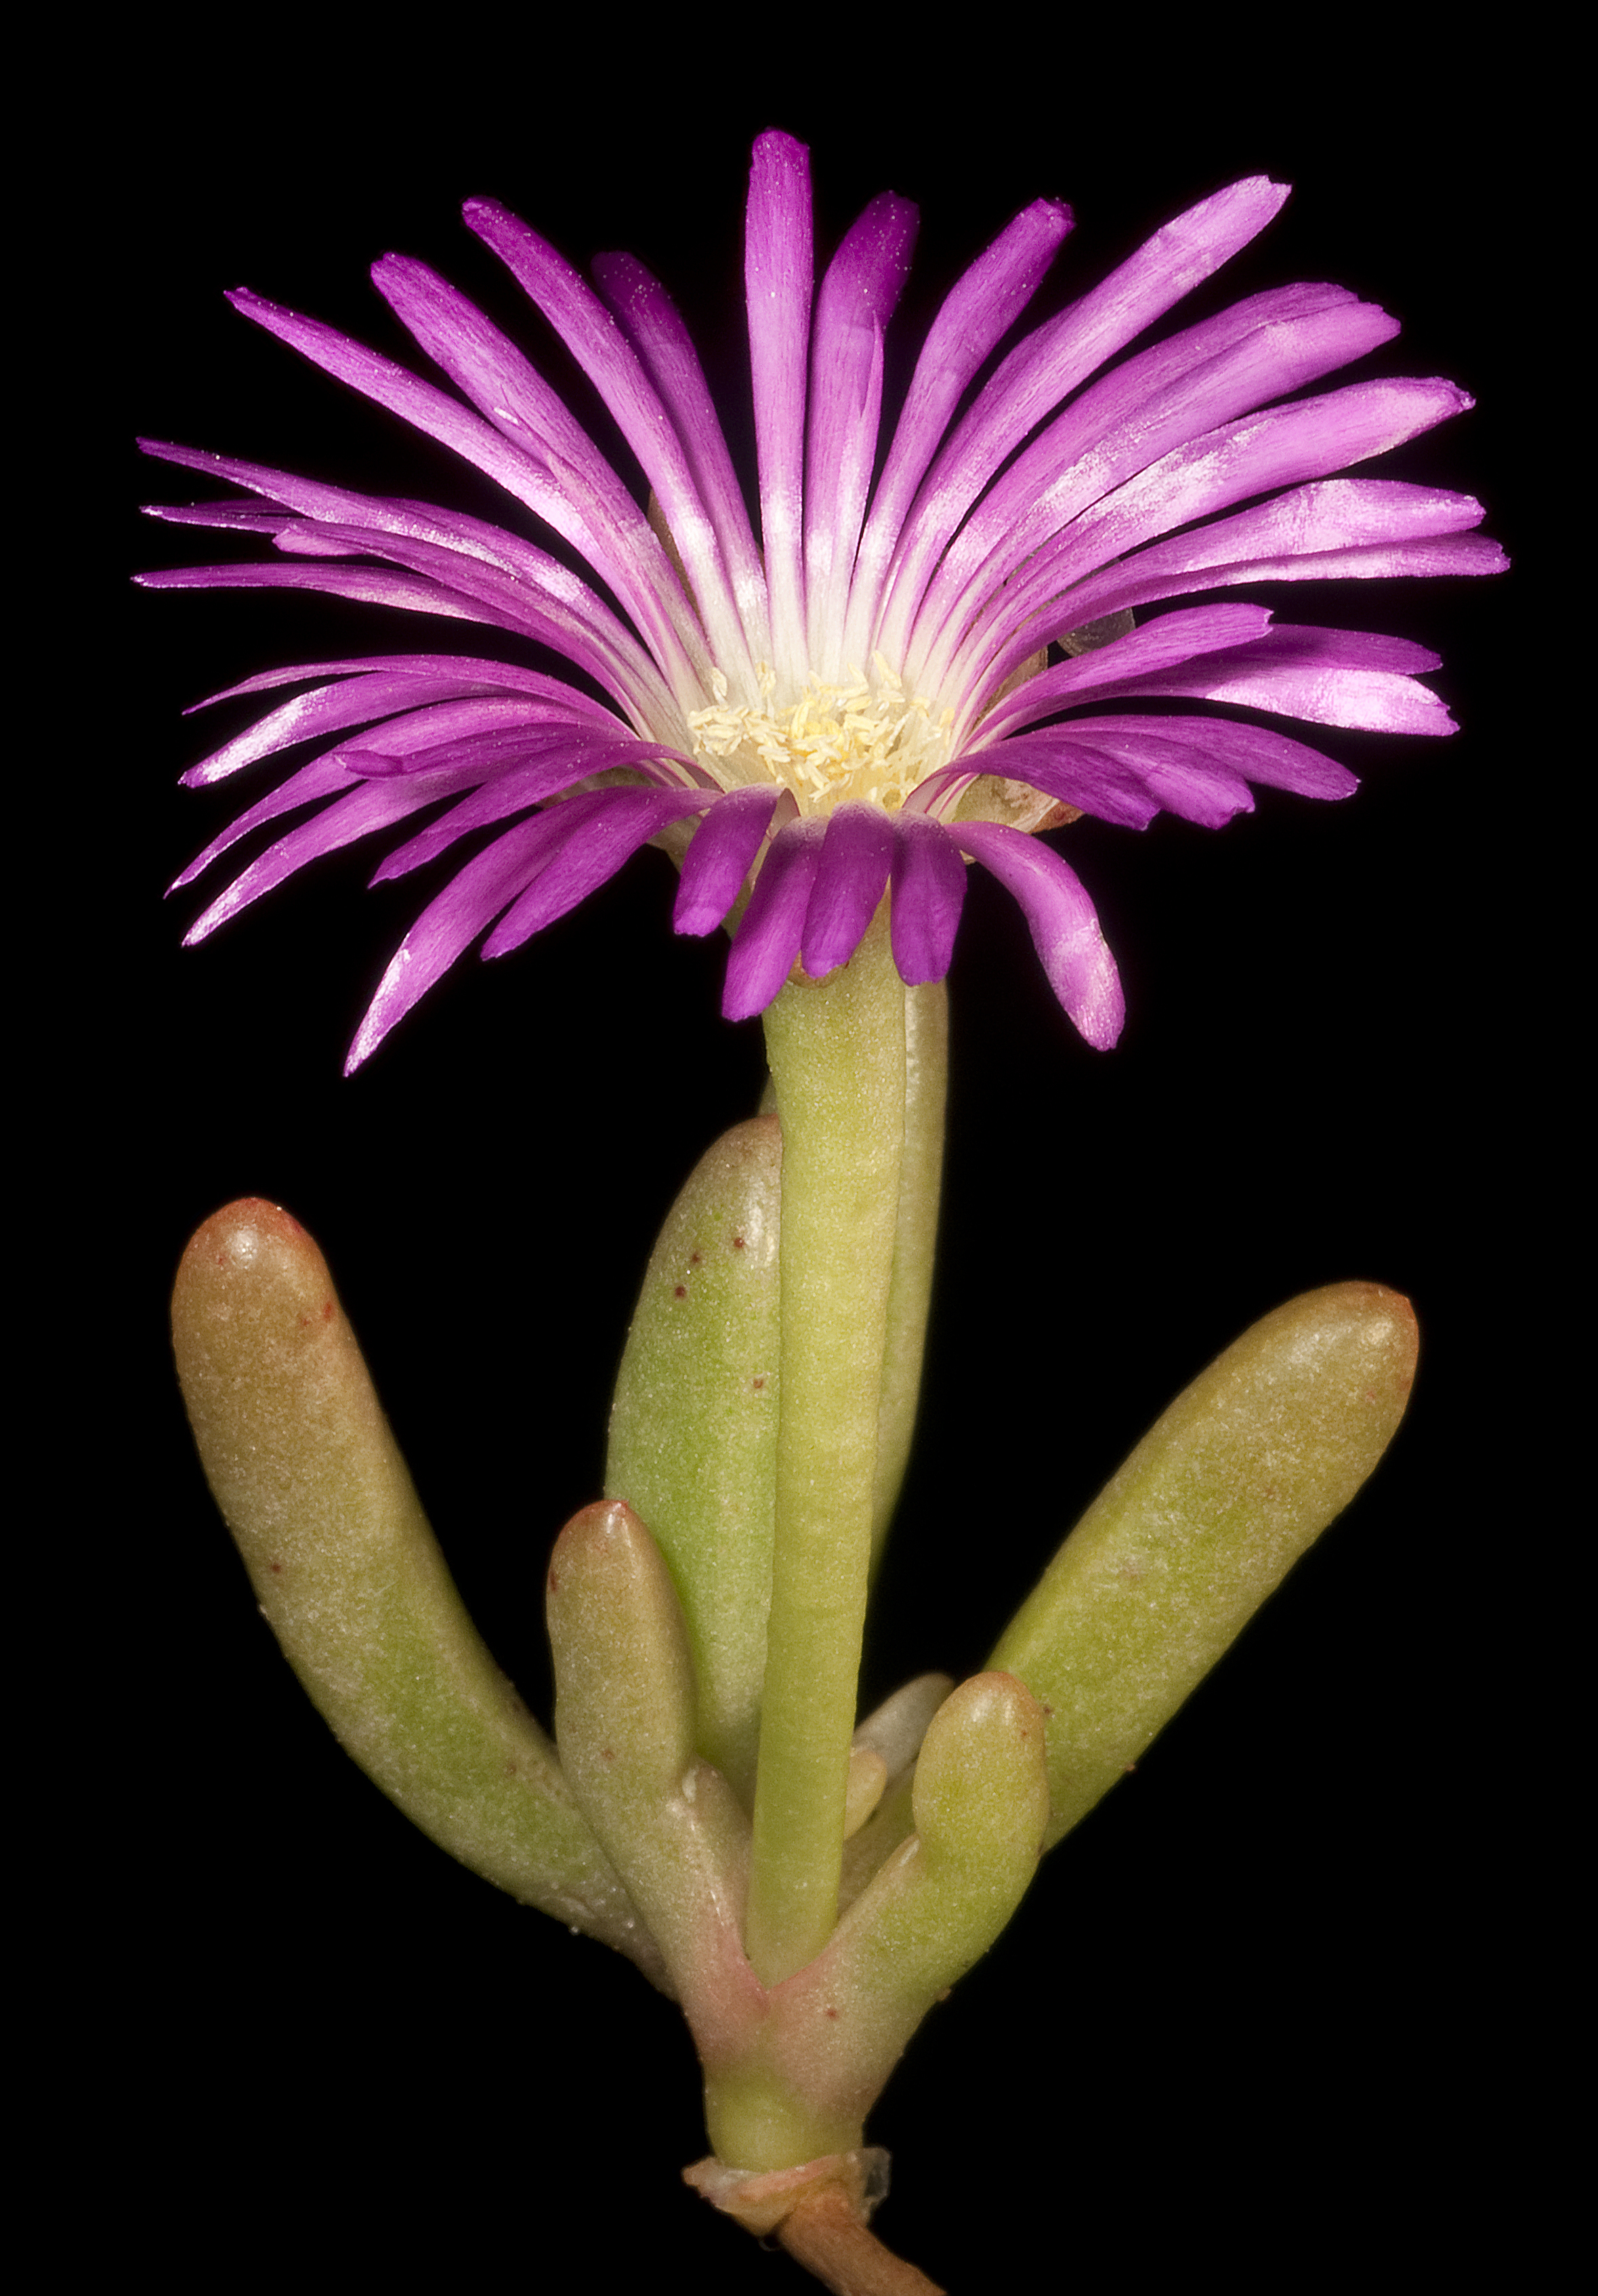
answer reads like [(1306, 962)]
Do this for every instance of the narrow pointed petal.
[(1180, 255), (858, 294), (561, 617), (534, 592), (368, 586), (473, 675), (1320, 522), (979, 309), (511, 793), (421, 403), (851, 878), (929, 893), (1279, 447), (1195, 633), (609, 836), (1254, 753), (450, 923), (720, 857), (512, 396), (554, 752), (778, 271), (1330, 677), (427, 409), (1459, 557), (1064, 922), (228, 517), (774, 923), (323, 777), (1194, 784), (1076, 772), (372, 806), (1209, 376), (381, 585), (595, 340), (1053, 360), (655, 329), (330, 710), (399, 742)]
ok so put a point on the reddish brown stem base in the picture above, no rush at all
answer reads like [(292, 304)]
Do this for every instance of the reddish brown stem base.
[(824, 2235)]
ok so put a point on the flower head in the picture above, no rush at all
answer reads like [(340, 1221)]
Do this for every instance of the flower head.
[(896, 679)]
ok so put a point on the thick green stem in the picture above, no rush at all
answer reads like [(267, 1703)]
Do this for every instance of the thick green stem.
[(915, 1242), (837, 1053)]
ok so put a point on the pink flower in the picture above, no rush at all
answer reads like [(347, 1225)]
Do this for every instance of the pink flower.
[(865, 699)]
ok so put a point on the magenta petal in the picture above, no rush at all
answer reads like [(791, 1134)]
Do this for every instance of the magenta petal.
[(521, 588), (1210, 374), (979, 309), (372, 585), (929, 893), (524, 588), (619, 823), (1050, 361), (1194, 785), (1332, 678), (773, 926), (1139, 581), (511, 793), (779, 275), (1313, 521), (371, 804), (449, 924), (655, 328), (396, 746), (858, 293), (473, 675), (597, 343), (1173, 639), (520, 471), (1063, 922), (855, 855), (720, 857), (1254, 752), (323, 777), (1056, 762), (1281, 446), (605, 520), (330, 709), (419, 404), (561, 756)]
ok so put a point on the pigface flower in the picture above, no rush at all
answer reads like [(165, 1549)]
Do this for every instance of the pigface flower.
[(892, 681)]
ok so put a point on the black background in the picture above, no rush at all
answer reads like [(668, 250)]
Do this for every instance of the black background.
[(1241, 2018)]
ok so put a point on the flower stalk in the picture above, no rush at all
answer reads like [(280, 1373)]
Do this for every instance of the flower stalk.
[(838, 1063), (914, 1244)]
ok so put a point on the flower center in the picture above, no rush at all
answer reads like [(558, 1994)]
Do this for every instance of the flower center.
[(837, 744)]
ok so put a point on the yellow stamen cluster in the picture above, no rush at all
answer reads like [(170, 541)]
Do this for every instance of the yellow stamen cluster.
[(837, 743)]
